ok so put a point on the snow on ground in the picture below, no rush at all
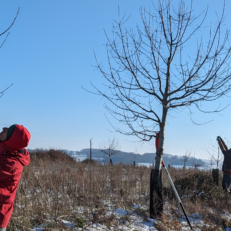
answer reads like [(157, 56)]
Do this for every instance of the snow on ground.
[(134, 222)]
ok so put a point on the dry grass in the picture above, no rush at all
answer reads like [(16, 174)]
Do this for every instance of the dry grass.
[(55, 187)]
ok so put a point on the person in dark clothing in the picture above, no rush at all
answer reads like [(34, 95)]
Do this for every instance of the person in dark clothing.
[(226, 167)]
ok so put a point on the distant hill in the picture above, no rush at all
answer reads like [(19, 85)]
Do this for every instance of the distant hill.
[(129, 157)]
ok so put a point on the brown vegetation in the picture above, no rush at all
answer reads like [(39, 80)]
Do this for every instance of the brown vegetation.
[(51, 155), (55, 189)]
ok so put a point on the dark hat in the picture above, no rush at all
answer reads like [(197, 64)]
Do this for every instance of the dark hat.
[(10, 131)]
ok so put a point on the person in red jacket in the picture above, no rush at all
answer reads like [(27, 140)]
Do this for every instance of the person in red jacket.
[(13, 157)]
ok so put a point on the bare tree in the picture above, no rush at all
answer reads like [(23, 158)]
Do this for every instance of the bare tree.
[(211, 162), (6, 33), (196, 165), (214, 152), (185, 158), (110, 148), (151, 73)]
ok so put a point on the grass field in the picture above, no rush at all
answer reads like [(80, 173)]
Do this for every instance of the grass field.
[(58, 193)]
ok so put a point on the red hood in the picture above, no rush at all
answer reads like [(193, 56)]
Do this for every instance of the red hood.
[(19, 139)]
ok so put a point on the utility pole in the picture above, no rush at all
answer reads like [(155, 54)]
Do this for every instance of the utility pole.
[(90, 149)]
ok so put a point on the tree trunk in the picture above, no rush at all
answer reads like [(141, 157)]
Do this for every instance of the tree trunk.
[(156, 196), (111, 162)]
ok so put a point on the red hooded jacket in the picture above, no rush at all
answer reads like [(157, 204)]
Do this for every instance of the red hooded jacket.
[(13, 157)]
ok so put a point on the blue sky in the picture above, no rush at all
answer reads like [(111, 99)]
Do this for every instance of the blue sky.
[(48, 56)]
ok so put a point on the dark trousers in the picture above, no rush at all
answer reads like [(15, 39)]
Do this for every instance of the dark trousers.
[(226, 183)]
